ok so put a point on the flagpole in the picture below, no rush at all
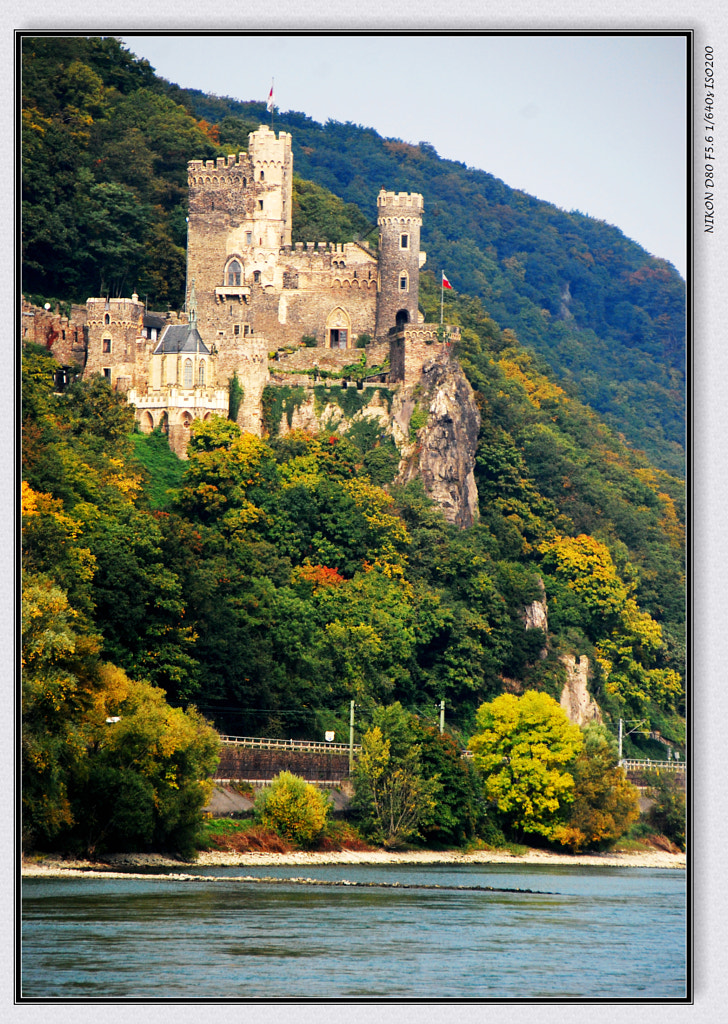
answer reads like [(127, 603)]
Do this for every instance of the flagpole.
[(442, 293)]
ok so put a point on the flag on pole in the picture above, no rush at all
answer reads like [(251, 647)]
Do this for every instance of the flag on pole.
[(271, 101), (445, 282)]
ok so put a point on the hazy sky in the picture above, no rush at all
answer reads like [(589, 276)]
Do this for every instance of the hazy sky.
[(590, 123)]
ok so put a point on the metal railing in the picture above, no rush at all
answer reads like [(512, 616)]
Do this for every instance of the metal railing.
[(312, 746), (631, 764)]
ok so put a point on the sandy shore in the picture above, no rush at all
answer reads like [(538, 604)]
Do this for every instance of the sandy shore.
[(49, 866)]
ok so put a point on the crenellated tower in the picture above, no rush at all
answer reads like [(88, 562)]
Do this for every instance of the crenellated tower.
[(399, 219), (239, 219)]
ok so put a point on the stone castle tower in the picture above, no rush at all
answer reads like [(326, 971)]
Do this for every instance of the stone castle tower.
[(399, 219)]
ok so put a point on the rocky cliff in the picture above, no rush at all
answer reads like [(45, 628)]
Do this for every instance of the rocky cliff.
[(575, 698), (435, 426)]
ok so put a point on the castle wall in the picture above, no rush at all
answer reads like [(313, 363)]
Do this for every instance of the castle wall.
[(414, 346), (63, 335)]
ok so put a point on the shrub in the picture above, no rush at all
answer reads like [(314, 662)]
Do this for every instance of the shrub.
[(292, 808), (667, 814)]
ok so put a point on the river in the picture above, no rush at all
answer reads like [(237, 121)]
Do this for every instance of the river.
[(594, 933)]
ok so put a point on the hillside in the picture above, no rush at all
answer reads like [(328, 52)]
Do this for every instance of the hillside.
[(105, 148)]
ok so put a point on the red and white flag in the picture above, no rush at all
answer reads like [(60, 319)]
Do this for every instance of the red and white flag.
[(445, 282), (271, 101)]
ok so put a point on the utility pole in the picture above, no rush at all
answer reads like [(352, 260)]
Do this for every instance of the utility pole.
[(351, 737), (442, 717), (637, 723)]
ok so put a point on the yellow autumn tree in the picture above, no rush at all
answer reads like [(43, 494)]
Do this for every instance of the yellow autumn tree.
[(524, 748)]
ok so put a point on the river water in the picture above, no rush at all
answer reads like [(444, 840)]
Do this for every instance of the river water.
[(594, 933)]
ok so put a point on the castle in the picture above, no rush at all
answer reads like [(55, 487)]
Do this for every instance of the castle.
[(257, 306)]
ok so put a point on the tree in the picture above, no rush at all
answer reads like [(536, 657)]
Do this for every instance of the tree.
[(460, 812), (668, 812), (293, 808), (605, 803), (393, 798), (89, 785), (524, 749)]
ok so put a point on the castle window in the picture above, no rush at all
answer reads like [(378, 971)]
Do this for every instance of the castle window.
[(201, 373), (107, 373), (246, 330), (248, 237), (256, 276), (236, 329), (234, 273), (187, 374), (403, 282), (260, 204), (262, 175), (106, 345), (404, 241), (107, 318)]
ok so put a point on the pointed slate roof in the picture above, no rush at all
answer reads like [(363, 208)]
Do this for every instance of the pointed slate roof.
[(179, 339)]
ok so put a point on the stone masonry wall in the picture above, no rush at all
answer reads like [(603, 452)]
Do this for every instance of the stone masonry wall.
[(245, 763), (63, 335)]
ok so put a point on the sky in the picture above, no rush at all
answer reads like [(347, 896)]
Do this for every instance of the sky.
[(590, 123)]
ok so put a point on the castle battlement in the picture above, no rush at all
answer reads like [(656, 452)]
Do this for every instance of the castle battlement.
[(410, 202), (221, 164)]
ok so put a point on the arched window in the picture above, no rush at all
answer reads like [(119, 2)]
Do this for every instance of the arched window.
[(234, 273), (187, 374), (201, 373), (107, 318)]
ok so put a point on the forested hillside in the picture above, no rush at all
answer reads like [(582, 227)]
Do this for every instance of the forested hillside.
[(278, 579), (105, 148), (267, 582)]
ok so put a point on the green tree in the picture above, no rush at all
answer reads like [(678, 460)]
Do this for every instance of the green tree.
[(88, 784), (393, 798), (524, 748), (668, 813)]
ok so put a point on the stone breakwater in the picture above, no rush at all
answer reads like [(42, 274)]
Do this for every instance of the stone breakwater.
[(49, 866)]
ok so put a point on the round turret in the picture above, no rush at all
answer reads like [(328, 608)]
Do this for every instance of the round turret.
[(399, 219)]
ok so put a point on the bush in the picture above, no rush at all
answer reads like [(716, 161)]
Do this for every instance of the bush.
[(667, 814), (293, 809)]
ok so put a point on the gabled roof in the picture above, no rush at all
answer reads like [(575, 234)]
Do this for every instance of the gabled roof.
[(154, 320), (181, 338)]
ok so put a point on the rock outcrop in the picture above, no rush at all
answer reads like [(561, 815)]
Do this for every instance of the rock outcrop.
[(536, 616), (575, 698), (442, 450)]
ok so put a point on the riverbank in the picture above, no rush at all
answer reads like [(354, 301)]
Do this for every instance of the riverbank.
[(57, 867)]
